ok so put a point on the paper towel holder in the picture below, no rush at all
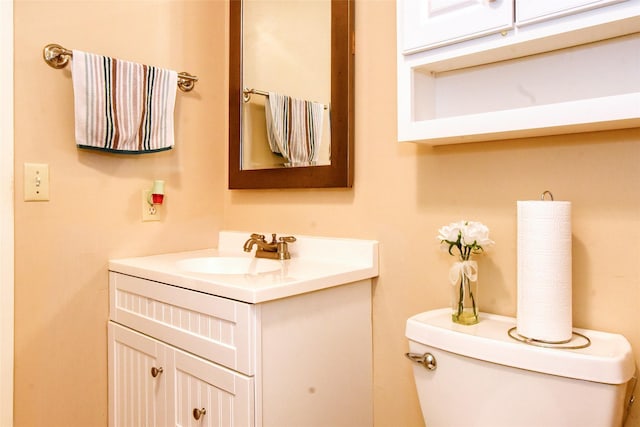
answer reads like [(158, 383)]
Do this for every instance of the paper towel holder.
[(551, 344), (544, 193)]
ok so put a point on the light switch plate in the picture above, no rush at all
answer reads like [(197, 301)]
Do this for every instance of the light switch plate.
[(36, 182)]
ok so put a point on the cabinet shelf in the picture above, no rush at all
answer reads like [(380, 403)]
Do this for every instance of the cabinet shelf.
[(606, 113)]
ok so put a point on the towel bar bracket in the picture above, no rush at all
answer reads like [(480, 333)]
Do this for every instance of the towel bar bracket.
[(186, 81), (56, 56)]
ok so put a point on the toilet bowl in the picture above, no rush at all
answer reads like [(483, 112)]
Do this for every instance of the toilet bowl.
[(479, 375)]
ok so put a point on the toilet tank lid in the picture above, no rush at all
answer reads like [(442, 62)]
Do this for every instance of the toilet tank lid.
[(607, 360)]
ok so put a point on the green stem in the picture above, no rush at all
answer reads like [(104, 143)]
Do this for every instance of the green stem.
[(461, 295), (473, 301), (464, 281)]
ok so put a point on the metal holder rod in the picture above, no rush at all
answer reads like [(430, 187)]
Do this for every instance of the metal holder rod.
[(561, 345), (546, 193), (58, 57)]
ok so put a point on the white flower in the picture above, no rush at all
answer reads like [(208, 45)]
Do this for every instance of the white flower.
[(450, 233), (468, 237), (476, 234)]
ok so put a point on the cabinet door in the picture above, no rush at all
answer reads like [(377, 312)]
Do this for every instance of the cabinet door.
[(137, 375), (427, 24), (531, 11), (210, 395)]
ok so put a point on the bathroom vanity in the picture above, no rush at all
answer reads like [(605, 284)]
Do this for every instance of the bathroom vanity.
[(219, 337)]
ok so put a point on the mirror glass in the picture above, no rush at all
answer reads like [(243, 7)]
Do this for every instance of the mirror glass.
[(291, 93), (281, 39)]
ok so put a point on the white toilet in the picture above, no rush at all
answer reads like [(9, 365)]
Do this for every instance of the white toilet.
[(480, 376)]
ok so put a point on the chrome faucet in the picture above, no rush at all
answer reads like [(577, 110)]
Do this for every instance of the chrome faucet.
[(276, 249)]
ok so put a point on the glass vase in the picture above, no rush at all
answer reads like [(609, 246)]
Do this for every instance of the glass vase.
[(464, 294)]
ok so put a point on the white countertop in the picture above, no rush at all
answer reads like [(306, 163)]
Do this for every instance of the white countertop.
[(316, 263)]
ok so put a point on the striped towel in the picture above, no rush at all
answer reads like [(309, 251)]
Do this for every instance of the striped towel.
[(122, 106), (294, 128)]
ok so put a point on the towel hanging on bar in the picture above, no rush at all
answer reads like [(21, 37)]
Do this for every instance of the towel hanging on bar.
[(121, 106), (294, 128)]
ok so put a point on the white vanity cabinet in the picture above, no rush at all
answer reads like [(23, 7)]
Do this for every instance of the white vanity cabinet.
[(154, 384), (495, 69), (179, 349)]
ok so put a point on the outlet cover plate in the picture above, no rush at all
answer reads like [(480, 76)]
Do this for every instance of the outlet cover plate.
[(149, 212)]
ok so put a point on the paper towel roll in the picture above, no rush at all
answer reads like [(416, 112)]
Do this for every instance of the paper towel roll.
[(544, 270)]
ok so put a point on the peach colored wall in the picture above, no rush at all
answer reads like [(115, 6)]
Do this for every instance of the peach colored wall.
[(62, 246), (404, 192)]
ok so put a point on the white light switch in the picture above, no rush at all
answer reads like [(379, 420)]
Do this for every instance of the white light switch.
[(36, 181)]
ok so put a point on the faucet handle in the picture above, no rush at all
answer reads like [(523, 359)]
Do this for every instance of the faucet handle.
[(257, 236), (288, 239)]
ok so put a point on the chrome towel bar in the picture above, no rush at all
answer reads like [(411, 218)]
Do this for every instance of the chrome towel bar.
[(58, 57), (246, 94)]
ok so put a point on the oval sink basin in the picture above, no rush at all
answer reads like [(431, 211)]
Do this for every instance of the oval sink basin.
[(228, 265)]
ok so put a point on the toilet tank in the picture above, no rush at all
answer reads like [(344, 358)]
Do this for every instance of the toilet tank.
[(484, 377)]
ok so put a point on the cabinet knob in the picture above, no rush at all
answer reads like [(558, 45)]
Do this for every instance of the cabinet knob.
[(198, 413), (156, 371)]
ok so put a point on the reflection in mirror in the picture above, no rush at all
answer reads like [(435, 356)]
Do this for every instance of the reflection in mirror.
[(291, 93), (285, 120)]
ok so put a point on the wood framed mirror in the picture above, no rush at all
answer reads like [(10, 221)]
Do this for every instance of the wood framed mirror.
[(339, 171)]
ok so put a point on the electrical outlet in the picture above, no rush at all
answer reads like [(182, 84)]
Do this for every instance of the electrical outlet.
[(149, 212), (36, 182)]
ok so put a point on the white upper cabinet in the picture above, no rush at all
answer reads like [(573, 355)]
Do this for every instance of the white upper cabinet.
[(472, 70), (430, 24), (532, 11)]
